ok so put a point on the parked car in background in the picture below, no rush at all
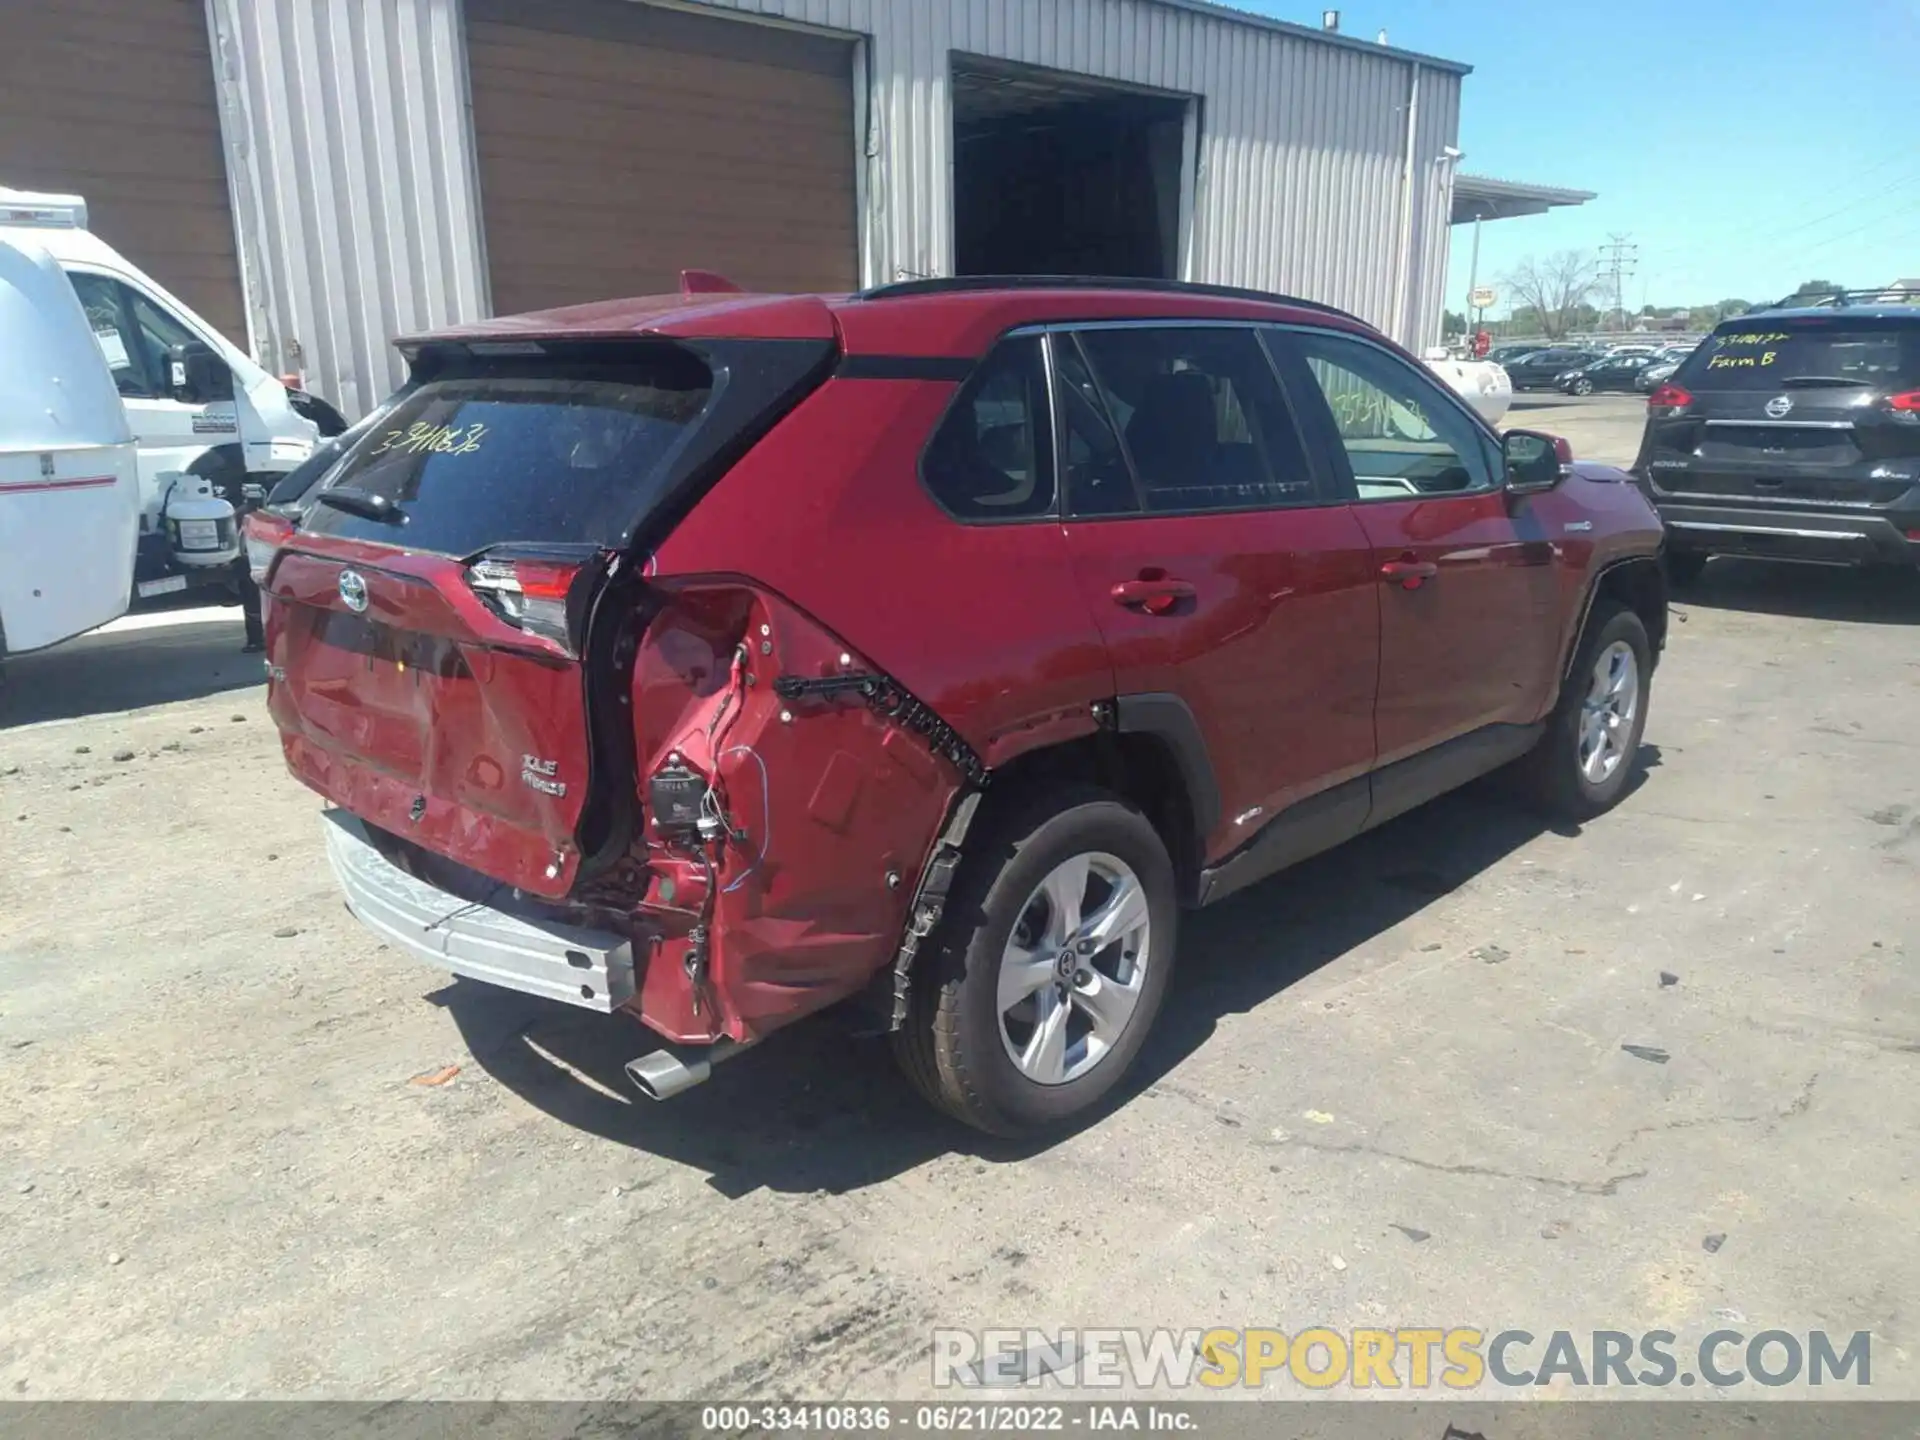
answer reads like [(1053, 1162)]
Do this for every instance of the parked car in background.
[(1182, 585), (1791, 434), (1653, 375), (1611, 372), (1543, 368), (1507, 354)]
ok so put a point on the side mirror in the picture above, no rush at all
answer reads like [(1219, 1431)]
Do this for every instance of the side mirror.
[(197, 376), (1535, 462)]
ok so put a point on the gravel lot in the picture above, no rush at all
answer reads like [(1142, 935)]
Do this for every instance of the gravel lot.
[(237, 1157)]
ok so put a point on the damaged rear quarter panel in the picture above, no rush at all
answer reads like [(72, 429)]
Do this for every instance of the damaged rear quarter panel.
[(829, 807), (982, 622), (823, 534)]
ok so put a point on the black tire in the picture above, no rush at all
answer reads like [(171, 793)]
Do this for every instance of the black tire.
[(1684, 567), (1551, 773), (952, 1046), (1583, 387)]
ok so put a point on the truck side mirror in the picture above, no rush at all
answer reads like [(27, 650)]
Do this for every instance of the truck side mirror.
[(197, 376)]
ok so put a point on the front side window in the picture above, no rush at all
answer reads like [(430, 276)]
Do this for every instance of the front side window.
[(158, 331), (1402, 436), (1201, 418), (104, 301)]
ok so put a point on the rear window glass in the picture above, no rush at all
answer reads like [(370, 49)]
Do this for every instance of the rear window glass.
[(555, 455), (1763, 356)]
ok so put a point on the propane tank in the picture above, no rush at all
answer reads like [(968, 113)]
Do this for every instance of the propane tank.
[(201, 528)]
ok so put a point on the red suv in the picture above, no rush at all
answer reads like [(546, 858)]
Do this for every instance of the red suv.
[(714, 658)]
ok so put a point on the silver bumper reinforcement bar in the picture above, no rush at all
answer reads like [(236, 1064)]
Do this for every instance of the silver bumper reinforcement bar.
[(504, 942)]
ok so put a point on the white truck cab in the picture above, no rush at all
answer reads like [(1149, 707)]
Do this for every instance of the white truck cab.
[(195, 403), (69, 473)]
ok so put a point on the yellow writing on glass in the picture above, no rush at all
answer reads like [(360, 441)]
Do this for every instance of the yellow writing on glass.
[(1757, 338), (1742, 362), (423, 439)]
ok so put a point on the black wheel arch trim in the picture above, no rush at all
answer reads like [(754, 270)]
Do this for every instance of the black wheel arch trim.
[(1169, 718), (1592, 594)]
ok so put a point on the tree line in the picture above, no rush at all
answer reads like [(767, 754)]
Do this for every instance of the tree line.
[(1553, 296)]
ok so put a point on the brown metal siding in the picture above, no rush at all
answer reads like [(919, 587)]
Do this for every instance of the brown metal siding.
[(621, 143), (114, 100)]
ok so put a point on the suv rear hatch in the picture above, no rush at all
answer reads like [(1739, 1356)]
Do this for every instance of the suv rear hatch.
[(1808, 410), (434, 657)]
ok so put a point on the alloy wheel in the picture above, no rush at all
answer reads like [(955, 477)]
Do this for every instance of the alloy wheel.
[(1607, 713), (1071, 973)]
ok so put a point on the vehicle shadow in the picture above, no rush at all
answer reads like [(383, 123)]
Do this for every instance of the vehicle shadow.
[(815, 1109), (155, 661), (1872, 595)]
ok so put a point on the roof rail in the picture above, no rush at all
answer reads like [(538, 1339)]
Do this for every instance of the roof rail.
[(961, 284), (1834, 299)]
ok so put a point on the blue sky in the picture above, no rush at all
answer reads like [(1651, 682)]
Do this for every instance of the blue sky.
[(1745, 145)]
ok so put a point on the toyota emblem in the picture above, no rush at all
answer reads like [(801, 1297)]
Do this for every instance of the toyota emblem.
[(353, 591), (1779, 405)]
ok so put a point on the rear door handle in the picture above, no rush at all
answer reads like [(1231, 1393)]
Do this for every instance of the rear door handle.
[(1408, 574), (1156, 597)]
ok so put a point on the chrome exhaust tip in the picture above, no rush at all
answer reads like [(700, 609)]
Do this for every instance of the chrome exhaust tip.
[(663, 1073)]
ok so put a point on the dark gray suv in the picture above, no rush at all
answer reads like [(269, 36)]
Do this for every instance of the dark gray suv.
[(1793, 435)]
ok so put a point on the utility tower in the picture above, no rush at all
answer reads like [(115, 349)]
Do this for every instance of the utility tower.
[(1619, 257)]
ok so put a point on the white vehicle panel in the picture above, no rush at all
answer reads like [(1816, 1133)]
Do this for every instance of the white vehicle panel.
[(69, 486)]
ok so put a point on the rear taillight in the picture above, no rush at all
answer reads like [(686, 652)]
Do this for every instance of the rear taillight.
[(265, 534), (528, 594), (1905, 404), (1669, 398)]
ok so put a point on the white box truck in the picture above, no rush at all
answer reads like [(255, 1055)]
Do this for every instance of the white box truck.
[(212, 430), (69, 468)]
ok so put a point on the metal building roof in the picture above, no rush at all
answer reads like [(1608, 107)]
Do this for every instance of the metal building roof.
[(1235, 15), (1478, 197)]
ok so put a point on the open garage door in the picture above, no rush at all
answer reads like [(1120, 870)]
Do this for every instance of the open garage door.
[(114, 100), (620, 143), (1059, 174)]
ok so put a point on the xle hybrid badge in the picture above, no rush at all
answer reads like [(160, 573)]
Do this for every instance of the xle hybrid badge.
[(539, 774)]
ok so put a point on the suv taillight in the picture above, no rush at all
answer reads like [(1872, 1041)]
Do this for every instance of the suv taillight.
[(264, 535), (1669, 396), (528, 594)]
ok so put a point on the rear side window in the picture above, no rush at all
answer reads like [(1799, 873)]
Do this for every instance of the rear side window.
[(992, 457), (554, 452), (1758, 355), (1201, 415)]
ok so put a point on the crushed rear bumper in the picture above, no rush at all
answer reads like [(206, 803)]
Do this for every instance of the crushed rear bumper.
[(504, 941)]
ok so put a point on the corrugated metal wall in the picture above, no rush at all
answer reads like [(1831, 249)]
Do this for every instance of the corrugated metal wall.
[(347, 129), (351, 161)]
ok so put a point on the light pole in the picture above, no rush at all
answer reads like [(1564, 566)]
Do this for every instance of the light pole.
[(1473, 270)]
